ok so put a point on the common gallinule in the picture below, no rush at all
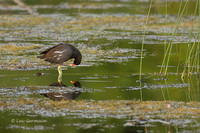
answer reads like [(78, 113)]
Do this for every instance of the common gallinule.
[(60, 54)]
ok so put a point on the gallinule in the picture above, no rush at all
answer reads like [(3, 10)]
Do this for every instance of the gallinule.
[(60, 54)]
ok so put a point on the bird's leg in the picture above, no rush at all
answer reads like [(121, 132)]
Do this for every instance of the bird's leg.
[(60, 73)]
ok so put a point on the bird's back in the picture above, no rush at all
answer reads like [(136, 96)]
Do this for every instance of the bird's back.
[(58, 54)]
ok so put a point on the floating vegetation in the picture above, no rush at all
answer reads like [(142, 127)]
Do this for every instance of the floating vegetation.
[(8, 21), (86, 29), (25, 56), (112, 108), (18, 49)]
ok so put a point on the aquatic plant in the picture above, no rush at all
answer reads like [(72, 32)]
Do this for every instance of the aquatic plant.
[(142, 48), (192, 54)]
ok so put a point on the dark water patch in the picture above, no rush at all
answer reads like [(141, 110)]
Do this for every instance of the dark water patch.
[(128, 7)]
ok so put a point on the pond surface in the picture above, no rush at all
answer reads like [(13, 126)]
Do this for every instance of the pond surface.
[(111, 96)]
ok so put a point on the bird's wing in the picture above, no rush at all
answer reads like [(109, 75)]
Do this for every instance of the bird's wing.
[(46, 51), (59, 54)]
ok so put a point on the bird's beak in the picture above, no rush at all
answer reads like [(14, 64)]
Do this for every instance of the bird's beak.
[(72, 65), (72, 82)]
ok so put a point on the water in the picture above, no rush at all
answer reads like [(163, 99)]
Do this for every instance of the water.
[(109, 34)]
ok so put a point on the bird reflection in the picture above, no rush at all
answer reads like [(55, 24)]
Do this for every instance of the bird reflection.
[(60, 84), (58, 96)]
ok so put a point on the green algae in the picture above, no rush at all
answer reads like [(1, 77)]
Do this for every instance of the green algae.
[(130, 108), (17, 49), (10, 21)]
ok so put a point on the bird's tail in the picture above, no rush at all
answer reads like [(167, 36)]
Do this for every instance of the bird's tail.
[(44, 94), (41, 56)]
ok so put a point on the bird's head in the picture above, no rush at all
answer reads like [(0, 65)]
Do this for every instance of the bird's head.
[(76, 84), (77, 57)]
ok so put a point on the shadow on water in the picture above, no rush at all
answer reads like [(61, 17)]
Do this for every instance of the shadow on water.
[(56, 96)]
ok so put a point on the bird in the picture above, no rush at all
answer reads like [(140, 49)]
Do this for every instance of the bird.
[(56, 96), (59, 54)]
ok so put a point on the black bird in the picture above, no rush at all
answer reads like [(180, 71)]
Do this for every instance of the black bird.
[(56, 96), (60, 54)]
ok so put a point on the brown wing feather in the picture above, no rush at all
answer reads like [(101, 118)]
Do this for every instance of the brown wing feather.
[(51, 55), (46, 51)]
